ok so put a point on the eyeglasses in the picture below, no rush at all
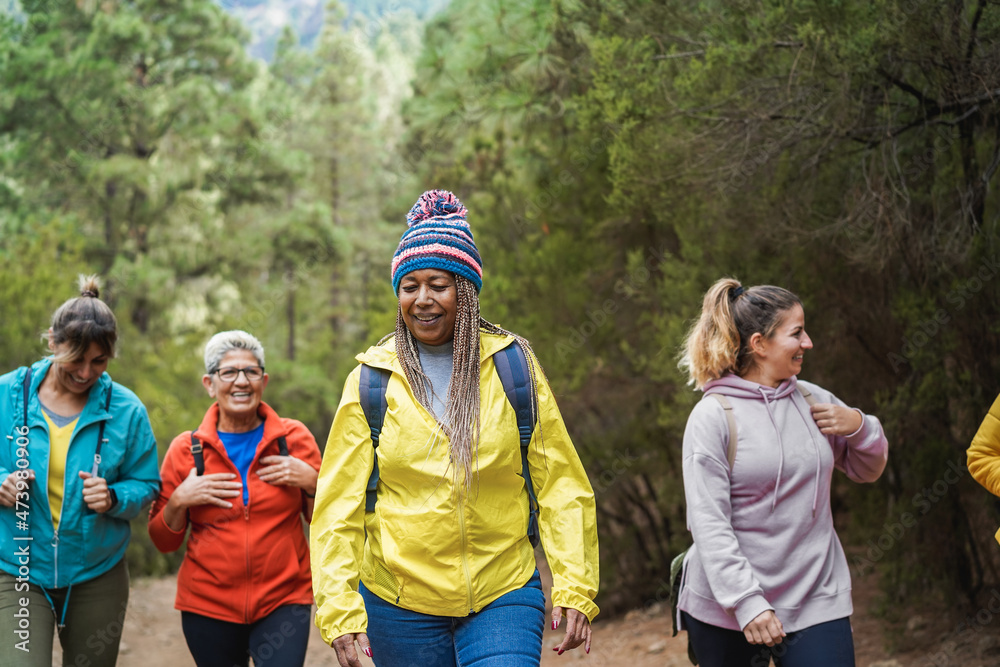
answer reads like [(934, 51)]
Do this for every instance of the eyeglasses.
[(229, 374)]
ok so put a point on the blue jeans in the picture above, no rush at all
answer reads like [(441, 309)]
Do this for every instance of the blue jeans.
[(505, 633), (277, 640), (829, 644)]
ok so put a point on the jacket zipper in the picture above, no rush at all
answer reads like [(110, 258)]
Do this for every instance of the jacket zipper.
[(45, 496), (55, 557), (55, 531), (461, 527), (246, 534), (465, 560)]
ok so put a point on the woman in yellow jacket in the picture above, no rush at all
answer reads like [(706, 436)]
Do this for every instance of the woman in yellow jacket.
[(984, 453), (438, 570)]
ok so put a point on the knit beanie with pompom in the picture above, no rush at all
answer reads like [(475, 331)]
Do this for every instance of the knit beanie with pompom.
[(438, 238)]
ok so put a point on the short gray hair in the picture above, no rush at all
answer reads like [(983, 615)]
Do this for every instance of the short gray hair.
[(225, 341)]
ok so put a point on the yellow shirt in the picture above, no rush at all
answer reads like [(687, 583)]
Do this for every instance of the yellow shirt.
[(59, 437)]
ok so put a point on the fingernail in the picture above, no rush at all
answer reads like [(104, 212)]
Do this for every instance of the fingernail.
[(555, 625), (368, 652), (587, 650)]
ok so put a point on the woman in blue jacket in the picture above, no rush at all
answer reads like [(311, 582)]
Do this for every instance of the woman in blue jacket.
[(78, 462)]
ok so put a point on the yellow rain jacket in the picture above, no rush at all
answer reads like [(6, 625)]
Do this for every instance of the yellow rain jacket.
[(984, 453), (427, 550)]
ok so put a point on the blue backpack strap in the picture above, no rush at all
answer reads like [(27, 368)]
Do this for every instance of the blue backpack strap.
[(371, 393), (515, 376)]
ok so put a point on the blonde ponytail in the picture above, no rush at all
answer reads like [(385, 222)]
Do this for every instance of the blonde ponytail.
[(718, 343), (712, 345)]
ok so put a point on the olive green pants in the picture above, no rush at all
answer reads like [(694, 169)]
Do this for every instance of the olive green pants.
[(95, 615)]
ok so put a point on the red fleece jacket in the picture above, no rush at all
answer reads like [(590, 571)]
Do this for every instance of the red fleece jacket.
[(244, 562)]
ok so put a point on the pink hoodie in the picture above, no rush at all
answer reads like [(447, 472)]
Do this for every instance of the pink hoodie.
[(763, 532)]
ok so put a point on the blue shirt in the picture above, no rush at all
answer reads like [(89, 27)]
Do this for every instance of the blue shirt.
[(241, 448)]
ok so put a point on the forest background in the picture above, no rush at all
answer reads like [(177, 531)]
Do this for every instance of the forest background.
[(616, 157)]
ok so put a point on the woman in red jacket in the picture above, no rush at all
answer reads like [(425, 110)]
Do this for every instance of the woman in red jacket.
[(240, 481)]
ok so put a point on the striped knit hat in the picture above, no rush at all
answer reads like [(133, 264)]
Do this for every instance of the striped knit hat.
[(438, 238)]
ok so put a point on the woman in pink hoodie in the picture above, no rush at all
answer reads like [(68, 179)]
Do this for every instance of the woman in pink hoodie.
[(767, 576)]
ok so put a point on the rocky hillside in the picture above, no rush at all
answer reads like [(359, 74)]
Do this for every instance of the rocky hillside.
[(266, 19)]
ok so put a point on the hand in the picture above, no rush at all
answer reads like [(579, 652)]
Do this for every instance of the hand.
[(344, 646), (577, 629), (289, 471), (15, 483), (836, 419), (194, 491), (95, 492), (765, 629), (206, 490)]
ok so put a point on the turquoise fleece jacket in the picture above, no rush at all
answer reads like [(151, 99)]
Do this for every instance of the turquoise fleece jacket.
[(88, 543)]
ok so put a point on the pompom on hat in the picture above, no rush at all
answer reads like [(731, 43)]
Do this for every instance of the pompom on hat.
[(438, 238)]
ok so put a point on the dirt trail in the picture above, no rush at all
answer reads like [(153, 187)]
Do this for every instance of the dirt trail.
[(153, 637)]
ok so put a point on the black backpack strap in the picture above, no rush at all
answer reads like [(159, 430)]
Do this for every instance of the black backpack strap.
[(371, 393), (27, 393), (100, 432), (515, 376), (22, 442), (197, 451), (199, 456)]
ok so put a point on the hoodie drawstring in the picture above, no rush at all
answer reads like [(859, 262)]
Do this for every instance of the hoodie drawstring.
[(809, 423), (60, 618), (781, 448)]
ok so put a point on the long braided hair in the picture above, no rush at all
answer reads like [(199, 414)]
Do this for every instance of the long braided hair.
[(461, 422)]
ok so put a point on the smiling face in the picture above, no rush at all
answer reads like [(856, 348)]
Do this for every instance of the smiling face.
[(77, 376), (428, 299), (238, 400), (780, 357)]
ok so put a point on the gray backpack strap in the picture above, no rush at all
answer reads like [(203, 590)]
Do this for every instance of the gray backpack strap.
[(731, 420), (806, 394)]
